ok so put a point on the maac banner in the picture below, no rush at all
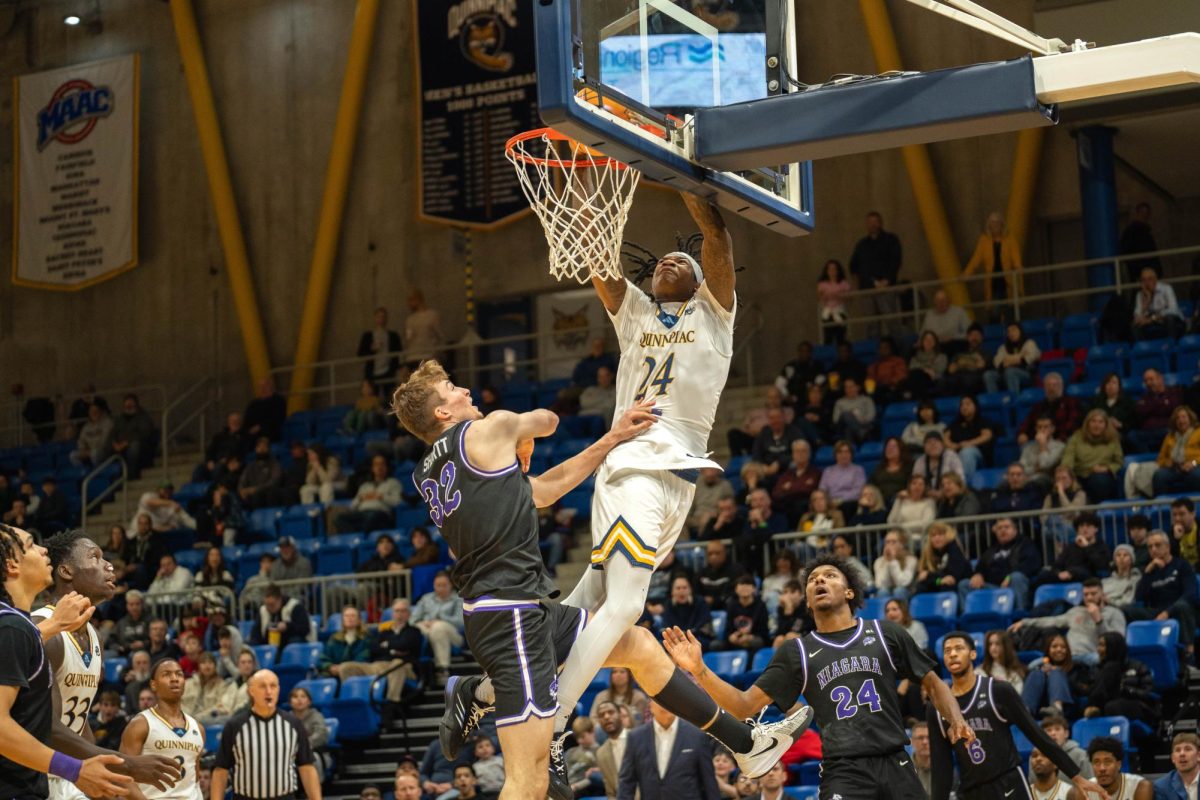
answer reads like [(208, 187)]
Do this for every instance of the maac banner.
[(478, 86), (76, 145)]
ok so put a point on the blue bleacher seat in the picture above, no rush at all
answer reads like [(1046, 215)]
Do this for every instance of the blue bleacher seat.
[(1083, 390), (407, 517), (335, 558), (985, 609), (873, 608), (865, 349), (1078, 331), (809, 773), (871, 451), (1154, 354), (333, 725), (727, 663), (192, 559), (422, 579), (1187, 353), (801, 792), (719, 620), (303, 521), (997, 407), (761, 659), (264, 520), (1133, 385), (1105, 358), (245, 628), (905, 410), (937, 610), (113, 667), (987, 479), (1084, 730), (322, 690), (212, 736), (947, 408), (295, 664), (354, 708), (1024, 746), (265, 654), (1156, 645), (1072, 593), (1043, 331), (580, 501), (1065, 367), (824, 456), (1026, 400)]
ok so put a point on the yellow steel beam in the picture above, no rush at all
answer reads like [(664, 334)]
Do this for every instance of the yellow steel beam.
[(1026, 166), (333, 203), (916, 159), (237, 264)]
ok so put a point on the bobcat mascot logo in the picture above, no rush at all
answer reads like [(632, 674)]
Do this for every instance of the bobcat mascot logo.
[(570, 328), (482, 42)]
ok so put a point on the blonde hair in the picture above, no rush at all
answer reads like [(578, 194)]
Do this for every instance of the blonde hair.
[(927, 558), (1109, 434), (414, 401)]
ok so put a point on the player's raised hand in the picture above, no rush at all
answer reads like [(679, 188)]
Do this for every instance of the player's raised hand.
[(71, 613), (160, 772), (96, 780), (1083, 786), (960, 731), (684, 649), (524, 453), (637, 419)]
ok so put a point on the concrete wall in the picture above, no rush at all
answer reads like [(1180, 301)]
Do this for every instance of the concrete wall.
[(276, 69)]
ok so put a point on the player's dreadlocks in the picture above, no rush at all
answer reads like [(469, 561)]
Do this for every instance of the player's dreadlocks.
[(11, 549), (61, 545), (644, 261), (853, 582)]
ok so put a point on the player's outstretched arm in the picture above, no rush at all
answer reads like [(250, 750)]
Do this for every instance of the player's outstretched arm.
[(957, 729), (557, 481), (716, 253), (684, 650)]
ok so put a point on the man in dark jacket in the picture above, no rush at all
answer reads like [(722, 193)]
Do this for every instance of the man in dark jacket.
[(232, 440), (1167, 589), (133, 436), (1016, 493), (1086, 557), (718, 575), (1124, 687), (686, 771), (267, 412), (1010, 563), (749, 625), (384, 345), (281, 620), (261, 477), (876, 261), (394, 650), (688, 612)]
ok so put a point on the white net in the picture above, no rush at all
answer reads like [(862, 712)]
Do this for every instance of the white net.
[(582, 199)]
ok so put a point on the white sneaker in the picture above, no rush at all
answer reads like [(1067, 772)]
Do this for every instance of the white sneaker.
[(771, 741)]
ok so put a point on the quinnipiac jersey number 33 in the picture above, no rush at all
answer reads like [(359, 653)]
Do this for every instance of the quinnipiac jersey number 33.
[(849, 678)]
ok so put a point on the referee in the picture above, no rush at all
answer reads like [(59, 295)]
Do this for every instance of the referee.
[(264, 747)]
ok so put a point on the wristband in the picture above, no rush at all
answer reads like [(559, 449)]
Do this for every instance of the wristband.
[(65, 767)]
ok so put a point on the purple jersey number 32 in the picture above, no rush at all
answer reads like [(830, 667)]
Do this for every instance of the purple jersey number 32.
[(441, 495)]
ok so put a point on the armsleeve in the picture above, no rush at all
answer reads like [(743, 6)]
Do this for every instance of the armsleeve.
[(941, 761), (1009, 703), (304, 753), (225, 758), (16, 647), (784, 676), (909, 660), (634, 308)]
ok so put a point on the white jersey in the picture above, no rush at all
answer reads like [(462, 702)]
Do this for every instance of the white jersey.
[(1059, 792), (79, 677), (681, 363), (1126, 786), (186, 746)]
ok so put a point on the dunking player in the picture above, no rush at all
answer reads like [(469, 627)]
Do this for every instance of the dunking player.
[(472, 478), (847, 671), (989, 768), (675, 349), (75, 659), (167, 730)]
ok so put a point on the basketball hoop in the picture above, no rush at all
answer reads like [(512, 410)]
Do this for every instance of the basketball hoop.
[(582, 198)]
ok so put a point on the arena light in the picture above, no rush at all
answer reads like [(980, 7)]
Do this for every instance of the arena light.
[(72, 20)]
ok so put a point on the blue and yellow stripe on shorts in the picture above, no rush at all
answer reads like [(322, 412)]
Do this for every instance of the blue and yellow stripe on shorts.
[(623, 539)]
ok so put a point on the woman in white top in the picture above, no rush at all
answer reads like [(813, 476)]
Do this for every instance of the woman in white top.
[(1000, 660), (323, 477), (913, 510), (896, 569)]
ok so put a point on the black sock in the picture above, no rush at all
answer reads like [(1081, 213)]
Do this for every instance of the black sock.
[(688, 701)]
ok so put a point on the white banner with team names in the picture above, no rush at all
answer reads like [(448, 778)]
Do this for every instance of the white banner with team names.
[(76, 144)]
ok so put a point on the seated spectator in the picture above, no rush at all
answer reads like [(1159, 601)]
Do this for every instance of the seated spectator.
[(1000, 660), (957, 500), (133, 436), (426, 550), (937, 462), (108, 722), (1057, 683), (1064, 497), (790, 615), (843, 547), (1137, 527), (1057, 728), (711, 487), (54, 512), (261, 477), (351, 643), (229, 472), (1155, 310), (164, 511), (970, 436), (799, 374), (206, 695), (773, 445), (1085, 557), (724, 768), (1011, 562), (291, 565), (926, 367), (1177, 458), (314, 724), (1154, 409), (93, 438), (368, 412), (488, 766), (1014, 362), (218, 622), (761, 523), (1041, 455), (942, 566), (267, 412), (1094, 454), (926, 422), (787, 569), (585, 372), (664, 575), (793, 487), (281, 620), (897, 611), (1167, 590), (1112, 400), (600, 400), (949, 323), (247, 665), (386, 557), (436, 771), (374, 506), (818, 412), (1121, 584), (717, 577), (322, 476), (1184, 533), (131, 633), (1015, 494), (1179, 783), (889, 372), (623, 692), (687, 611), (871, 510), (854, 413), (439, 615), (896, 568), (158, 645), (170, 577), (232, 440), (846, 366), (214, 572), (1063, 410), (913, 509), (729, 523), (394, 649), (256, 584), (192, 649), (136, 677), (822, 515), (1123, 686), (964, 373), (893, 472), (754, 476), (832, 290), (843, 481), (219, 518), (748, 627)]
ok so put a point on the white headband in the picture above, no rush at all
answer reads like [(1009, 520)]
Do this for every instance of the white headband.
[(699, 273)]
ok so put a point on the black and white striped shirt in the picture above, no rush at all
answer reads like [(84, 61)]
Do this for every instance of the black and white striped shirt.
[(262, 754)]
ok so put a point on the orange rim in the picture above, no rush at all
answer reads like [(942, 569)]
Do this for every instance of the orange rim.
[(511, 147)]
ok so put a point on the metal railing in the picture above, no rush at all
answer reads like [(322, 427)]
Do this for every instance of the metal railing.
[(169, 605), (122, 483), (328, 594), (210, 393), (1047, 280), (17, 432)]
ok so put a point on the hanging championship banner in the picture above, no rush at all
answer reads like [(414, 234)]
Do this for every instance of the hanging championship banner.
[(477, 80), (75, 143)]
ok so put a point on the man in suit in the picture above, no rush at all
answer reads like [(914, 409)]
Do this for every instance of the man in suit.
[(667, 753), (611, 753), (384, 345)]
